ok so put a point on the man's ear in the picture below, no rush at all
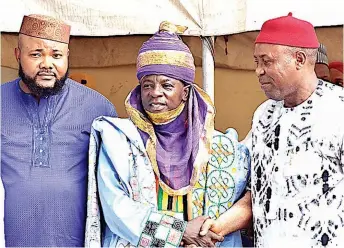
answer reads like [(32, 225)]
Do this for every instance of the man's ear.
[(300, 59), (17, 53), (186, 91)]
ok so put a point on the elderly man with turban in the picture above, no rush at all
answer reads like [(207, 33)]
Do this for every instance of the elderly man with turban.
[(161, 172), (45, 129), (296, 143)]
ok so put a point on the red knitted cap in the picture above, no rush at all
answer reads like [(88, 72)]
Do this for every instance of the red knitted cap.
[(336, 65), (288, 31)]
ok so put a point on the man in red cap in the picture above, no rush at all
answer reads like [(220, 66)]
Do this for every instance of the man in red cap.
[(296, 143), (336, 71)]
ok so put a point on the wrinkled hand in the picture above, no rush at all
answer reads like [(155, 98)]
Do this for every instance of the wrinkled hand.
[(192, 234), (211, 225)]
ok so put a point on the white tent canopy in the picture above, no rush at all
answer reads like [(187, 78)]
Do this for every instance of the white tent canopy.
[(202, 17)]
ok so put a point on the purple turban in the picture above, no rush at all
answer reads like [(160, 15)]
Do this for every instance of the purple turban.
[(166, 54)]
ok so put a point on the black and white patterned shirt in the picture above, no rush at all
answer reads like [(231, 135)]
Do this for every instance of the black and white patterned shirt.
[(297, 171)]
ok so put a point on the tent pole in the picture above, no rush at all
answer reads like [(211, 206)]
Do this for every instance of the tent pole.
[(208, 65)]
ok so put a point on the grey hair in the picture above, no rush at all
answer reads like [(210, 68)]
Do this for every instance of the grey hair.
[(311, 53)]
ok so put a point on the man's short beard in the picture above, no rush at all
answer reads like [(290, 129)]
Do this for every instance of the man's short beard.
[(41, 91)]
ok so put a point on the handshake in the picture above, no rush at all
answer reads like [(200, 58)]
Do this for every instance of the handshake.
[(202, 232)]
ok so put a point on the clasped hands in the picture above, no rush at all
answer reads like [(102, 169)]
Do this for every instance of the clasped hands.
[(201, 232)]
